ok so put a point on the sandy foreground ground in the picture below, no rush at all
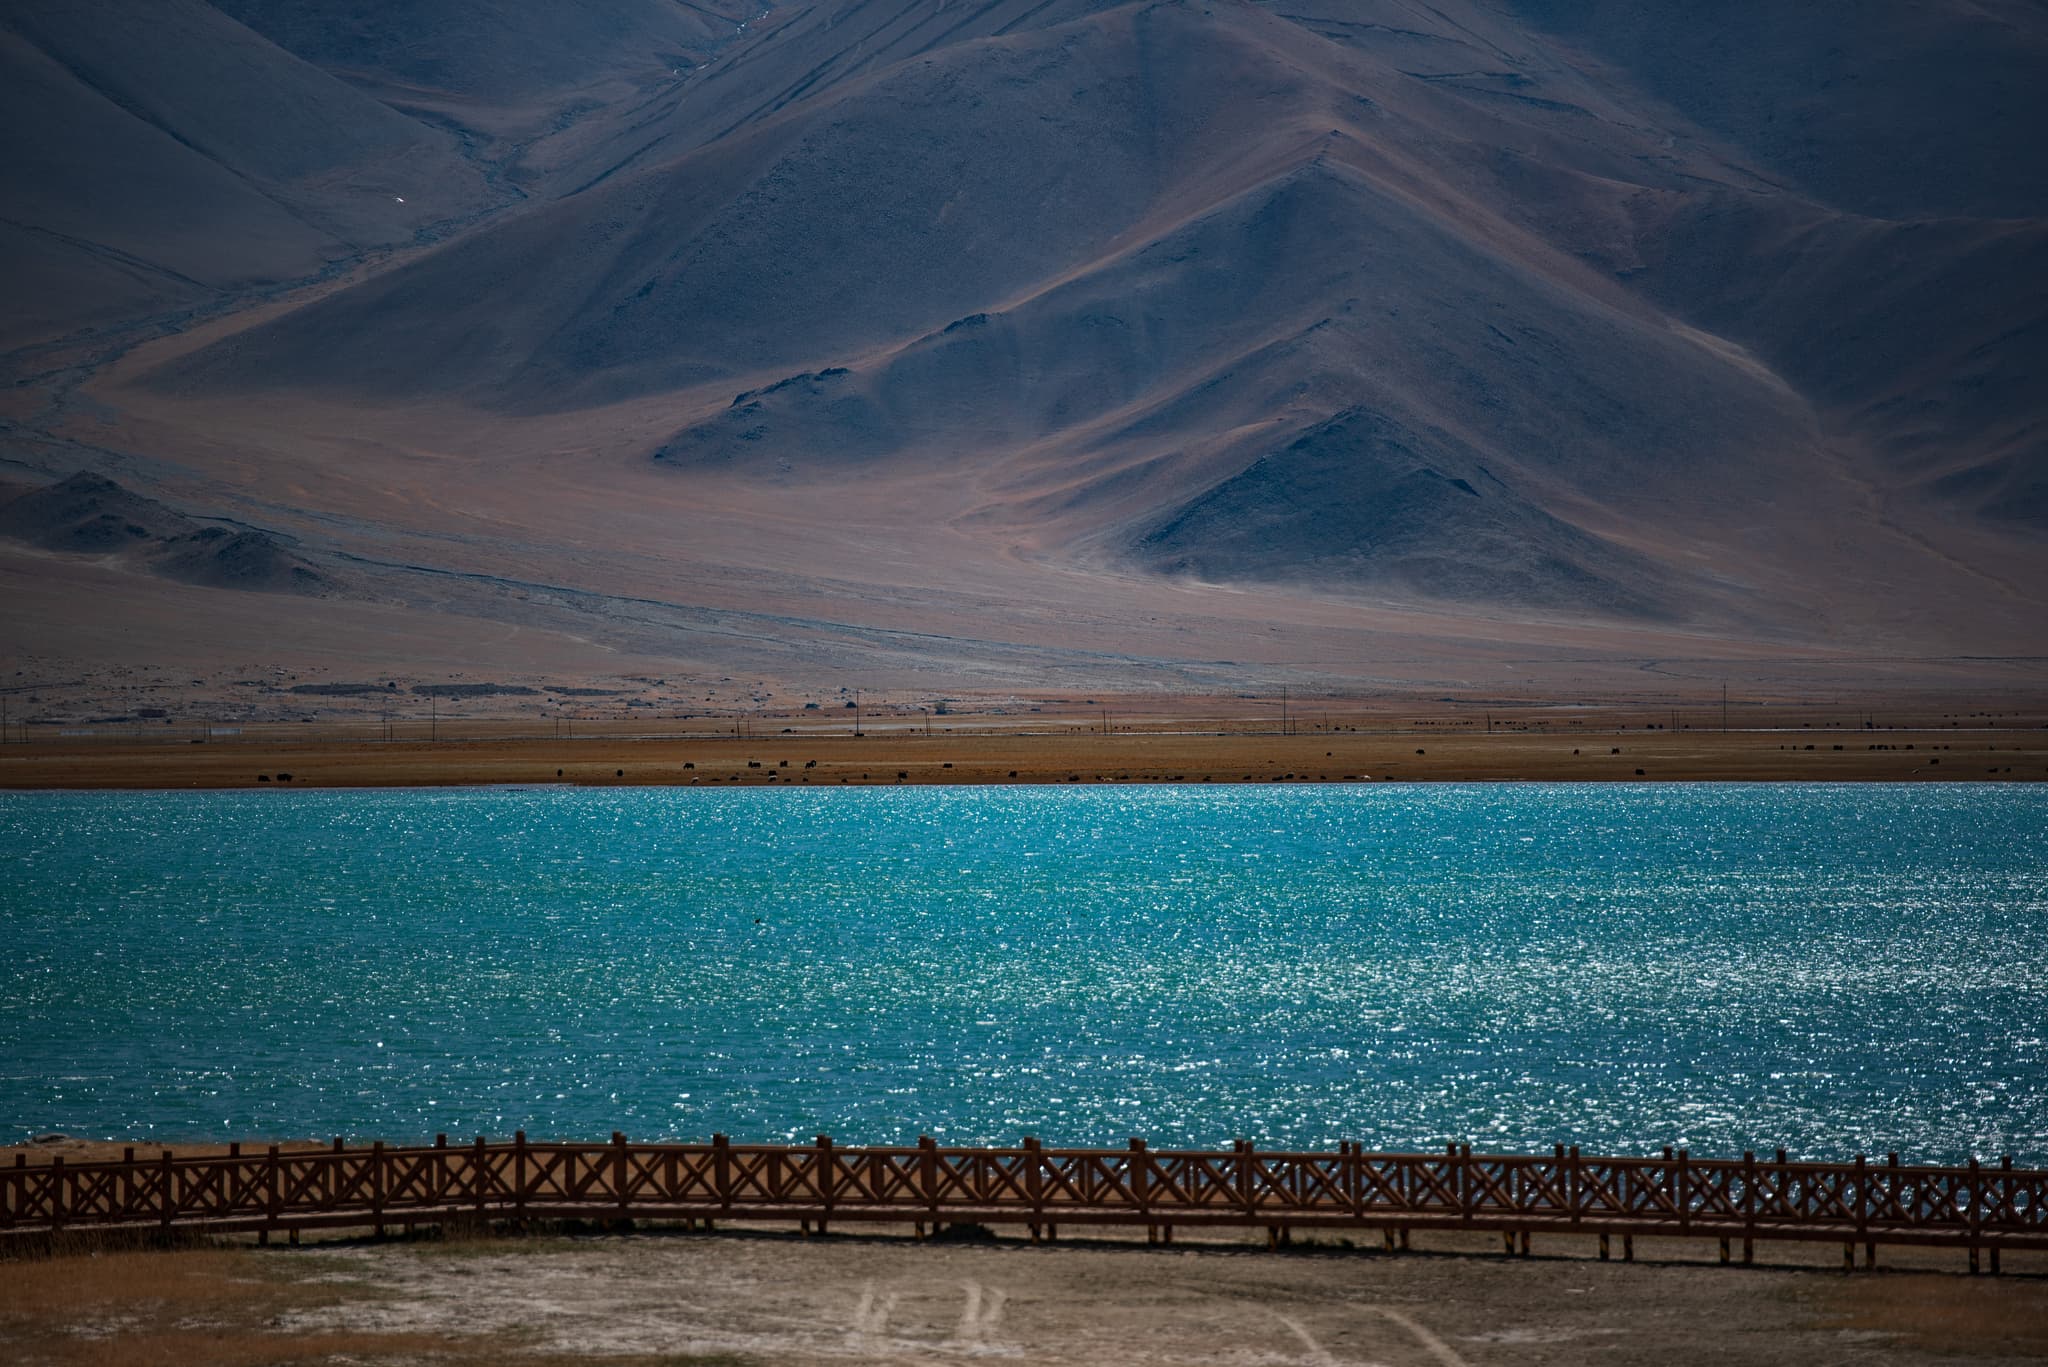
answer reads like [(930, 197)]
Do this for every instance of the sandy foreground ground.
[(758, 1296), (1068, 751)]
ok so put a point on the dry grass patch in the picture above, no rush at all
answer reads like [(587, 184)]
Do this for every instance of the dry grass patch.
[(94, 1283), (1947, 1314), (231, 1347), (184, 1308)]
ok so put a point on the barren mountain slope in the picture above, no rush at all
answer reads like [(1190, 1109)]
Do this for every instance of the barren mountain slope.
[(156, 153), (506, 55), (1897, 109), (90, 515), (516, 77), (1584, 312)]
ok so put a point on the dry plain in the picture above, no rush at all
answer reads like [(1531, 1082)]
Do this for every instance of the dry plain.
[(1418, 750), (761, 1296)]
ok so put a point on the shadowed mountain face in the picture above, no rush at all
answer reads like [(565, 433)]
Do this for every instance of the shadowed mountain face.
[(1585, 308), (160, 154), (157, 155), (505, 55), (1362, 499), (88, 514), (1878, 107)]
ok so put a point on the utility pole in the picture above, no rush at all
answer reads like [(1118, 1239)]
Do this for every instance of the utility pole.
[(1105, 721), (1283, 709), (856, 713)]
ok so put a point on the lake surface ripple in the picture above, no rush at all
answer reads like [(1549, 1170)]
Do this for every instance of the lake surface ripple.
[(1832, 968)]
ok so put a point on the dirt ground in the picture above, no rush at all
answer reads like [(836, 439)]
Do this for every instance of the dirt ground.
[(305, 757), (770, 1297)]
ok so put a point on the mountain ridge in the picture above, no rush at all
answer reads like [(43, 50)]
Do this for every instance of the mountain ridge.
[(1524, 307)]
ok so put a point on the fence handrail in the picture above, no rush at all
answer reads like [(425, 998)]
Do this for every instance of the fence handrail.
[(1671, 1193)]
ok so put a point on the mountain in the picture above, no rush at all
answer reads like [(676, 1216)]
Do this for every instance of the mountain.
[(502, 55), (89, 514), (161, 155), (1722, 320)]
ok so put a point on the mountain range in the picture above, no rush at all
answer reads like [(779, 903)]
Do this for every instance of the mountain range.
[(1170, 343)]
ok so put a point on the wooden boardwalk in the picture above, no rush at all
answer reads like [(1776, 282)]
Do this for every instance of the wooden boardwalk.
[(1747, 1200)]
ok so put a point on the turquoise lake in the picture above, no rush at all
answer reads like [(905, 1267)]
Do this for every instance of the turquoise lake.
[(1834, 969)]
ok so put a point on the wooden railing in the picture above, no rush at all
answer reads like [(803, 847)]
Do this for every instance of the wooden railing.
[(1750, 1199)]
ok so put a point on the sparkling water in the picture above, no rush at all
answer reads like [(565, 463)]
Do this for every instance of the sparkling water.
[(1830, 968)]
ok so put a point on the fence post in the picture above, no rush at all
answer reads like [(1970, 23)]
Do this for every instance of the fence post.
[(377, 1185), (825, 1178), (1572, 1180), (1682, 1182), (478, 1177), (272, 1198), (57, 1195), (1894, 1180), (127, 1184), (1748, 1206), (928, 1176), (1349, 1180), (619, 1171), (1461, 1161), (1034, 1183), (1140, 1194), (1976, 1212), (440, 1170), (519, 1173), (721, 1172), (2005, 1203), (1243, 1149), (1863, 1202), (164, 1189)]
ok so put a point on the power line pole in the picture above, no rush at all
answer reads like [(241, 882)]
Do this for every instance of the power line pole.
[(856, 712), (1283, 709)]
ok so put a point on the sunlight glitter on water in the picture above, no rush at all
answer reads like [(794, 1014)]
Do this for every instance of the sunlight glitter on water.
[(1834, 969)]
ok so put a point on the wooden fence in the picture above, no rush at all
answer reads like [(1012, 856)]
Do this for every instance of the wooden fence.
[(1750, 1199)]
